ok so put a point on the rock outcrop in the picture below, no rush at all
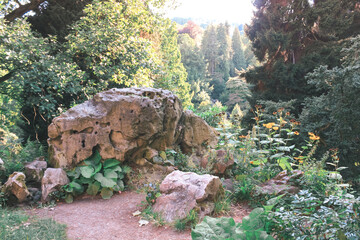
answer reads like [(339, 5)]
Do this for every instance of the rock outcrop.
[(130, 124), (15, 185), (184, 191), (53, 179)]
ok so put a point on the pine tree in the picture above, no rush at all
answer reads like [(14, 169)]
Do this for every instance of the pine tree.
[(238, 58)]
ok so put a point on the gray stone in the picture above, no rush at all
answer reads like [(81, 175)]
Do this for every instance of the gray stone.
[(53, 179), (34, 170), (183, 191), (281, 183)]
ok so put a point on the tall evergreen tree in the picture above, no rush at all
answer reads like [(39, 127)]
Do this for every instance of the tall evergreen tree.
[(238, 58), (292, 38)]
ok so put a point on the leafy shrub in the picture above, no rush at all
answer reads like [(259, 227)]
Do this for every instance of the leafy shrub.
[(252, 227), (97, 176), (307, 216), (212, 115), (14, 154)]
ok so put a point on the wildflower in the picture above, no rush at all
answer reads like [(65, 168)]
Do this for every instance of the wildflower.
[(296, 133), (258, 106), (251, 162), (242, 136), (297, 158), (274, 113), (256, 119), (241, 149), (275, 128), (301, 161), (280, 110), (313, 136), (269, 125), (288, 114)]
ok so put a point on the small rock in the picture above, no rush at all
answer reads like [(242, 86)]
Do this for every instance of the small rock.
[(183, 191), (228, 184), (16, 186), (217, 161), (281, 183), (53, 179), (34, 170)]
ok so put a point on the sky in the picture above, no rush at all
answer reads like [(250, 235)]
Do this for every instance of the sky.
[(233, 11)]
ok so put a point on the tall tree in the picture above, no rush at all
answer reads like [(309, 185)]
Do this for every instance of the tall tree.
[(115, 44), (292, 38), (238, 58)]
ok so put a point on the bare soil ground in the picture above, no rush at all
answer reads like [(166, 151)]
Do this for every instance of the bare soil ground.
[(99, 219)]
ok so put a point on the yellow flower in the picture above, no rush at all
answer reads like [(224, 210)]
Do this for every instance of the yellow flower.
[(301, 161), (269, 125), (314, 137), (275, 128), (296, 133)]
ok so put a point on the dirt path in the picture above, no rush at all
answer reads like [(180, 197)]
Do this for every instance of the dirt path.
[(98, 219)]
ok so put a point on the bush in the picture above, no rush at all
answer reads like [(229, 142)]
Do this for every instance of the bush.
[(14, 154)]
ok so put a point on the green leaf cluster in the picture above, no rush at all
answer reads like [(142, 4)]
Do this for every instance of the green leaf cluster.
[(252, 227), (96, 176)]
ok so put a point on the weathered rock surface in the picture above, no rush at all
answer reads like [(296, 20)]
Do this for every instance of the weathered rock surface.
[(217, 161), (184, 191), (53, 179), (197, 133), (281, 183), (16, 186), (132, 123), (34, 170)]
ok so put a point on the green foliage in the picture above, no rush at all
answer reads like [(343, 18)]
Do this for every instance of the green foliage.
[(96, 176), (238, 58), (152, 192), (211, 114), (14, 154), (334, 114), (113, 45), (17, 225), (188, 222), (252, 227), (309, 216)]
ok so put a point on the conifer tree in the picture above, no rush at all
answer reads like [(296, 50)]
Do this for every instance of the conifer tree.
[(238, 58)]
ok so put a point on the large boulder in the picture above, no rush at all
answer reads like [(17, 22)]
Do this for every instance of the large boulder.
[(15, 185), (182, 192), (53, 180), (130, 123), (34, 170)]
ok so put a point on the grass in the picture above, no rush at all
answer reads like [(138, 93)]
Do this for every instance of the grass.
[(16, 225)]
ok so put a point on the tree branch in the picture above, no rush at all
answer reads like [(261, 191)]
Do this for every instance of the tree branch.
[(6, 77), (22, 9)]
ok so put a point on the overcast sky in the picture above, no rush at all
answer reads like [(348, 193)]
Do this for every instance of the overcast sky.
[(239, 11)]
